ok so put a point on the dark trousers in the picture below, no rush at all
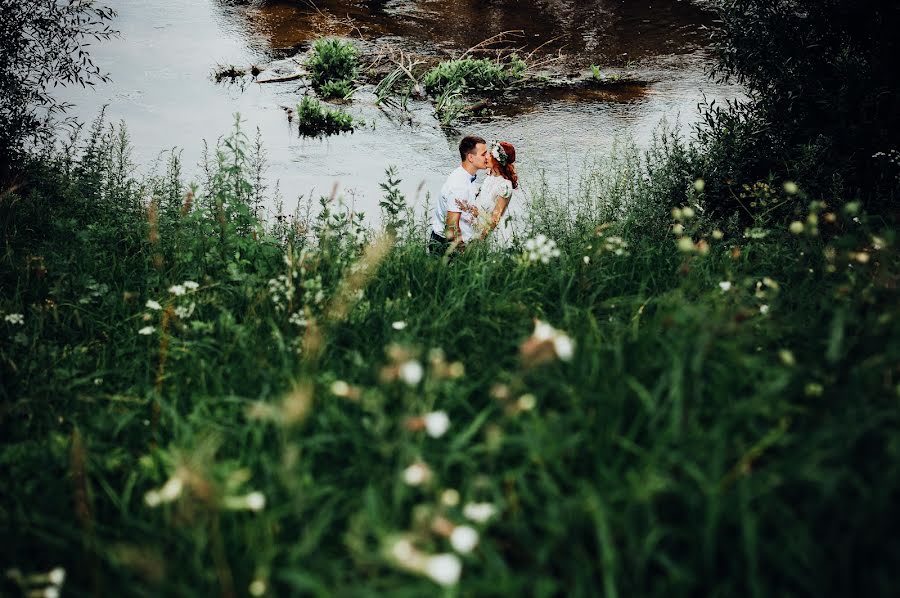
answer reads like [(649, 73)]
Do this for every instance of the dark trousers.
[(437, 245)]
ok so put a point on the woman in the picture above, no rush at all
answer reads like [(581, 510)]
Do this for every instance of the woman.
[(495, 193)]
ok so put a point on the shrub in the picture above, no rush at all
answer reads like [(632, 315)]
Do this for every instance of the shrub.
[(314, 118), (474, 74), (333, 65)]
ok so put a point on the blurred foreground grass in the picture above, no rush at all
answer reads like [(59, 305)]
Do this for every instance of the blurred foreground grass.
[(195, 402)]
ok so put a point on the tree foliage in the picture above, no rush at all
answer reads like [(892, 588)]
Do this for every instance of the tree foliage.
[(44, 44), (822, 81)]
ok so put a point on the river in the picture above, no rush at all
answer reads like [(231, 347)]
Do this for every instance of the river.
[(162, 86)]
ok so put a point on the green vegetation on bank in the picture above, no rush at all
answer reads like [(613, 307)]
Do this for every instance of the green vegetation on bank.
[(200, 402)]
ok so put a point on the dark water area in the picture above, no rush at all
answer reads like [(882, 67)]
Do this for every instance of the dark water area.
[(603, 31), (163, 89)]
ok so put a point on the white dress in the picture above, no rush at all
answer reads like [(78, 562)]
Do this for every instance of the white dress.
[(492, 188)]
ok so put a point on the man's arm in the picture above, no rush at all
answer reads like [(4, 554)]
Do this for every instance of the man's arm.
[(454, 235)]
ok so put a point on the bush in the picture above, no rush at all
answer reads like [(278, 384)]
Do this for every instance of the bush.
[(314, 118), (42, 45), (473, 74), (824, 96), (333, 65)]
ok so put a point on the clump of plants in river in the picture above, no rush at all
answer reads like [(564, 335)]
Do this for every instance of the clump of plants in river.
[(315, 118), (333, 66)]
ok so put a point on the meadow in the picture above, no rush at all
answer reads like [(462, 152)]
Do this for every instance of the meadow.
[(635, 398)]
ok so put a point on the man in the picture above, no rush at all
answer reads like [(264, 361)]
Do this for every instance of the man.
[(457, 195)]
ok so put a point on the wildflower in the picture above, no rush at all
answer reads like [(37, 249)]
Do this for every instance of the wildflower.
[(436, 423), (687, 212), (411, 372), (545, 343), (255, 501), (725, 285), (685, 244), (177, 290), (699, 185), (17, 319), (416, 474), (257, 587), (796, 227), (862, 257), (340, 388), (190, 285), (298, 319), (586, 259), (763, 309), (185, 312), (154, 305), (450, 497), (787, 357), (444, 569), (463, 539), (479, 512), (57, 576), (541, 249), (718, 235), (791, 188), (813, 389), (171, 489), (526, 402), (399, 325), (878, 243), (678, 229), (676, 214), (146, 330)]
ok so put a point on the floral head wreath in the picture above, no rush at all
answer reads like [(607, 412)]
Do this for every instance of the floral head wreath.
[(499, 153)]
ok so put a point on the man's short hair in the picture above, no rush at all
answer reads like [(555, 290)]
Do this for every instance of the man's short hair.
[(467, 145)]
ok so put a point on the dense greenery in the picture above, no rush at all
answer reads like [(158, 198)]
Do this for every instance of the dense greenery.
[(823, 103), (725, 424), (43, 43), (315, 118), (678, 379), (333, 65)]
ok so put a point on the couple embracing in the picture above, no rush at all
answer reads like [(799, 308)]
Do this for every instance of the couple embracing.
[(465, 211)]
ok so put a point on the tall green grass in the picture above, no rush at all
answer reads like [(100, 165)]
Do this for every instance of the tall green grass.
[(704, 438)]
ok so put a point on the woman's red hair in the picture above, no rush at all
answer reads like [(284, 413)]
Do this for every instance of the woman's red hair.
[(509, 170)]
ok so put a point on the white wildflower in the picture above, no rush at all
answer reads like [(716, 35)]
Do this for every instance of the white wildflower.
[(416, 474), (563, 346), (171, 489), (17, 319), (436, 423), (725, 285), (444, 569), (177, 290), (411, 372), (146, 330), (527, 402), (399, 325), (541, 249), (190, 285), (257, 587), (185, 312), (450, 497), (796, 227), (763, 309), (463, 539), (154, 305), (57, 576), (479, 512)]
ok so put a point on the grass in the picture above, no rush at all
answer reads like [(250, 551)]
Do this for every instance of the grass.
[(473, 74), (315, 118), (256, 439)]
